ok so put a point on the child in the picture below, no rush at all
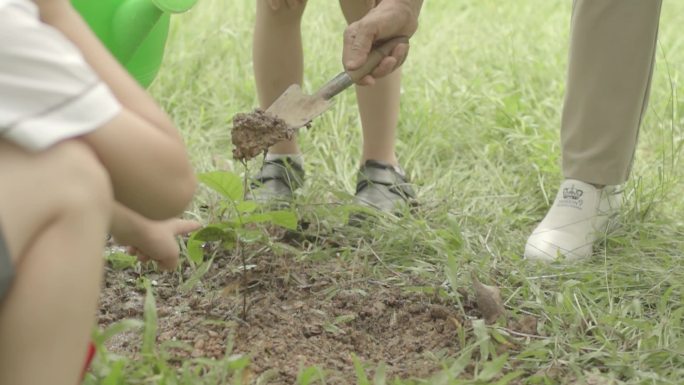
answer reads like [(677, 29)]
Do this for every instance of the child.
[(278, 63), (83, 151)]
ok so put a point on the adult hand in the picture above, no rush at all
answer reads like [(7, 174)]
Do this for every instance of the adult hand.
[(389, 19)]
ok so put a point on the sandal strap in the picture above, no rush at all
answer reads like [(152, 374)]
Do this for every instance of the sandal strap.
[(374, 172), (284, 170)]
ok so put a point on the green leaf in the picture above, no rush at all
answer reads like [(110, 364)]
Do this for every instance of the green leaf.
[(452, 272), (460, 364), (309, 375), (195, 277), (284, 218), (345, 318), (246, 206), (491, 368), (483, 339), (150, 317), (227, 184), (255, 218), (115, 375), (361, 378), (332, 329), (509, 377), (120, 261), (117, 328), (250, 235), (266, 377), (222, 232), (237, 362), (212, 233), (380, 378), (195, 251)]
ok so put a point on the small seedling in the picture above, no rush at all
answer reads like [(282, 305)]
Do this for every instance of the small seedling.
[(233, 230)]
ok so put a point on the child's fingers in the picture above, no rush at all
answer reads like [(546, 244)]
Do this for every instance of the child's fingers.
[(136, 253), (367, 80), (185, 226), (386, 66), (168, 264), (400, 52), (165, 264)]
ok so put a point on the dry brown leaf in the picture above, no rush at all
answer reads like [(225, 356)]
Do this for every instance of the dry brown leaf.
[(527, 324), (488, 300)]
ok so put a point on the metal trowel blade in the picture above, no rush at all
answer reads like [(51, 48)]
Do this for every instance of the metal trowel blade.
[(296, 108)]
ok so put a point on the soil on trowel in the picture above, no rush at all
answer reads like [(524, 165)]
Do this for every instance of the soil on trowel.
[(299, 314), (253, 133)]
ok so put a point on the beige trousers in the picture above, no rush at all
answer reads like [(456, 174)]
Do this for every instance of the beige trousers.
[(612, 53)]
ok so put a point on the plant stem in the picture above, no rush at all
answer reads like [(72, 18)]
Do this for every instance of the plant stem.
[(238, 249)]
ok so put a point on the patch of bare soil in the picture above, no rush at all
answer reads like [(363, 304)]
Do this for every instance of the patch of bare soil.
[(253, 133), (300, 313)]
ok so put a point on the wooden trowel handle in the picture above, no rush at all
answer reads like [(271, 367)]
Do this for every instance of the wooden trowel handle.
[(345, 79)]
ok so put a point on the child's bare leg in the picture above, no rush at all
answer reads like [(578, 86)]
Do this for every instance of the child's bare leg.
[(278, 57), (378, 104), (54, 218)]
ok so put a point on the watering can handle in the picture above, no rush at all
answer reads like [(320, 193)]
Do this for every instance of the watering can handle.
[(174, 6), (135, 19)]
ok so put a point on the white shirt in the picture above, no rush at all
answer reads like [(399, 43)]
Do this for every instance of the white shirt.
[(48, 92)]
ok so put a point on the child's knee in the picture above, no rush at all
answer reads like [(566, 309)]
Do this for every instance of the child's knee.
[(283, 9)]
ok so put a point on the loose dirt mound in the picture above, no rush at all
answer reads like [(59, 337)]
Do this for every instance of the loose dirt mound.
[(299, 313), (253, 133)]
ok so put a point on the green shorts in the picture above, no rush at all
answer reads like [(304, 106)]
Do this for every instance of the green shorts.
[(6, 268)]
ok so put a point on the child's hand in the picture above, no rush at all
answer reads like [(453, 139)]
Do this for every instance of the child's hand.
[(157, 241)]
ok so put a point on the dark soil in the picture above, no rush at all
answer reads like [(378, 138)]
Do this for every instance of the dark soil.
[(253, 133), (300, 313)]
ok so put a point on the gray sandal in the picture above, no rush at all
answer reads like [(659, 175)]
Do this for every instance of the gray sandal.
[(276, 181), (380, 186)]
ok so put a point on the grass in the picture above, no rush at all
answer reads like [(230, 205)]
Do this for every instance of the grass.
[(481, 107)]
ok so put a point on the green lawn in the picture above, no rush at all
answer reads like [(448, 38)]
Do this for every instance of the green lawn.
[(479, 134)]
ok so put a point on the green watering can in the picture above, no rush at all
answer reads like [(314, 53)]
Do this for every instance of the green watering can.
[(134, 31)]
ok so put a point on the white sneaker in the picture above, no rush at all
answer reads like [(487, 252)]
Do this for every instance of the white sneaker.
[(579, 216)]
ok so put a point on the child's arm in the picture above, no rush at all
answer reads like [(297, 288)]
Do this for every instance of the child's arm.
[(150, 240), (141, 149), (149, 170)]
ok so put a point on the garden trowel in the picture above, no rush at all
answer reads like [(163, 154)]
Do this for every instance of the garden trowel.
[(298, 109)]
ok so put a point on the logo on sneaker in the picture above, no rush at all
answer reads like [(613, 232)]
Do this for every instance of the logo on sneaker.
[(572, 197), (572, 193)]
